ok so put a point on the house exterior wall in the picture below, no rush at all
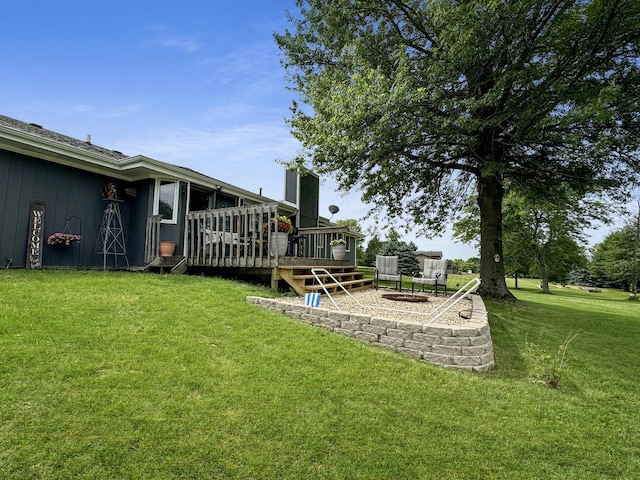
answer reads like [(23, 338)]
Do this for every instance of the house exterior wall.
[(139, 210), (352, 248), (291, 186), (67, 176), (308, 200), (68, 193), (303, 191)]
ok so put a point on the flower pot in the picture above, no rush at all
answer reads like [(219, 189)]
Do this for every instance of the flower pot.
[(167, 249), (279, 242), (63, 239), (338, 251)]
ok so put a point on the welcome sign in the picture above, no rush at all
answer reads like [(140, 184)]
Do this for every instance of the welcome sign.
[(35, 241)]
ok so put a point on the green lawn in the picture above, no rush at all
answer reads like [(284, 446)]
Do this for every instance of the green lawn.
[(116, 375)]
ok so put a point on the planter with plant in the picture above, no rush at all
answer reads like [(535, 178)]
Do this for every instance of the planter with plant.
[(279, 229), (338, 248), (62, 239)]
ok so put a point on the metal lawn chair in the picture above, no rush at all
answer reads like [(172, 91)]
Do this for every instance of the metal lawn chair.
[(387, 270), (434, 273)]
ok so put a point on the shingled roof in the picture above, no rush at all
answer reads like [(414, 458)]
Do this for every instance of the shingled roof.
[(85, 155), (41, 132)]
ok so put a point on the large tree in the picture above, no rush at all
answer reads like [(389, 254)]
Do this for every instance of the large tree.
[(617, 258), (354, 226), (548, 236), (373, 248), (416, 102), (406, 252), (541, 237)]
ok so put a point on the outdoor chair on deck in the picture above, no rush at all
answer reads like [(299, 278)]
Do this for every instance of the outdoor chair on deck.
[(226, 242), (296, 243), (434, 272), (387, 270)]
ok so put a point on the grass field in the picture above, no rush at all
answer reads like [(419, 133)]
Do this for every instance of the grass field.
[(116, 375)]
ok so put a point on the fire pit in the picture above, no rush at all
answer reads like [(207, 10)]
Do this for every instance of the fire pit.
[(405, 297)]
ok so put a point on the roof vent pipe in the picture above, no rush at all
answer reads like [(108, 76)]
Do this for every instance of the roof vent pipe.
[(88, 138)]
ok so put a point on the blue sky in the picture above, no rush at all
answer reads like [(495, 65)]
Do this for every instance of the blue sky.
[(194, 83)]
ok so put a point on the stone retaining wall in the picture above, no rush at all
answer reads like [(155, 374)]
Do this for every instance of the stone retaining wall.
[(464, 347)]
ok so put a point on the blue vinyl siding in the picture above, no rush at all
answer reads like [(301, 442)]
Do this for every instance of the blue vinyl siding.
[(68, 193)]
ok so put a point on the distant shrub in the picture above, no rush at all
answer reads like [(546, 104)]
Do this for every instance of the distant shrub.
[(581, 277), (407, 258)]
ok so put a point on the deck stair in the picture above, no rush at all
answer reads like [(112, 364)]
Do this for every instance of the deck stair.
[(302, 280), (175, 264)]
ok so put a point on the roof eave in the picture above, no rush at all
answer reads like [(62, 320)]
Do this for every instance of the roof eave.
[(121, 167)]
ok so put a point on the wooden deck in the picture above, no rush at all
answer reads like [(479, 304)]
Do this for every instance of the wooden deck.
[(239, 238)]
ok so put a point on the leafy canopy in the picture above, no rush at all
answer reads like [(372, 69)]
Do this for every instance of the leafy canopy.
[(416, 102), (616, 259), (541, 237)]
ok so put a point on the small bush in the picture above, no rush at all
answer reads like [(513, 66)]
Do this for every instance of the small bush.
[(545, 367)]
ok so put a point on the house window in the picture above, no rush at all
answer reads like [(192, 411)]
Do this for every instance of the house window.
[(167, 200), (225, 201)]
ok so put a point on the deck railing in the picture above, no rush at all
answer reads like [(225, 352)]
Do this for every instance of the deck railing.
[(240, 237), (152, 243), (231, 237), (315, 242)]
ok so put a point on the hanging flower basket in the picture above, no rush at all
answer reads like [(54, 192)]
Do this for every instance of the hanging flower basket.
[(63, 239)]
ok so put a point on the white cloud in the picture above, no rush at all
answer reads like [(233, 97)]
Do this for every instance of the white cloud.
[(180, 42), (168, 38), (243, 155), (236, 144), (252, 69)]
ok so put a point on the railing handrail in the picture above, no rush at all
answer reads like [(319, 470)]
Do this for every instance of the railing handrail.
[(329, 229), (237, 236), (152, 238)]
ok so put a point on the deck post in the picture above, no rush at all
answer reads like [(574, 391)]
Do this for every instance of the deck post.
[(152, 239)]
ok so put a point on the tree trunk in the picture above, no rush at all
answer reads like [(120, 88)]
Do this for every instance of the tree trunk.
[(544, 277), (493, 282), (636, 250), (541, 260)]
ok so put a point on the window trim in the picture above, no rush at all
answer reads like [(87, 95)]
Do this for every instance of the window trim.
[(156, 199)]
